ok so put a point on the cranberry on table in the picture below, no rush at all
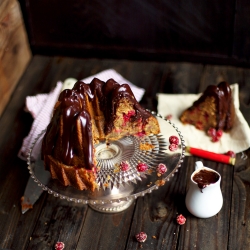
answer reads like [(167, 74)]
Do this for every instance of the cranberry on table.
[(59, 246), (181, 219), (141, 237)]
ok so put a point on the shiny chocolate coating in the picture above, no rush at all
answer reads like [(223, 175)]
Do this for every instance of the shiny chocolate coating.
[(72, 108), (205, 177), (223, 98)]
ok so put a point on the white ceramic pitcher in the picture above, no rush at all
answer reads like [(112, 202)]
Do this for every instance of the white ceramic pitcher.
[(205, 202)]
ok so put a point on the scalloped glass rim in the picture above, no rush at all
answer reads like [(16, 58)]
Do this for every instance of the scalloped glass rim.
[(115, 200)]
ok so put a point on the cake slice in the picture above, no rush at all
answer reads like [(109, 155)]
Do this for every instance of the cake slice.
[(214, 109), (82, 117)]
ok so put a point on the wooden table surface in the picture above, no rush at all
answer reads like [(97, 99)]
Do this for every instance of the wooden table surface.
[(79, 226)]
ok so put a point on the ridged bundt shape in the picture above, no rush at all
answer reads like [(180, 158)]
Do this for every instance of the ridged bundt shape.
[(82, 117)]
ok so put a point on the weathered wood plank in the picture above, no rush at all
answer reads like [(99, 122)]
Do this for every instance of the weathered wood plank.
[(15, 53), (240, 213), (105, 231), (59, 220), (77, 226), (155, 214)]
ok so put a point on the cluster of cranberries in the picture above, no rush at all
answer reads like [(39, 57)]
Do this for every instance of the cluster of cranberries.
[(215, 134), (174, 141)]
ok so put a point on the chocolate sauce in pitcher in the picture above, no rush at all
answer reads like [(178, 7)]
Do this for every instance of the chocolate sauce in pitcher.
[(205, 177)]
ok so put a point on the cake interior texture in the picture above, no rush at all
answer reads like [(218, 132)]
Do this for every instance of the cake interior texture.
[(214, 109), (83, 116)]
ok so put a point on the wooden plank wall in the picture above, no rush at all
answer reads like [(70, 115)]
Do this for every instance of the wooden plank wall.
[(214, 31), (14, 49)]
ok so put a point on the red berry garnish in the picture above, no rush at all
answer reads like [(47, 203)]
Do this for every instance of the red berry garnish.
[(142, 167), (181, 219), (168, 117), (211, 132), (174, 140), (141, 237), (161, 168), (124, 166), (59, 246), (173, 147), (215, 138), (219, 133), (230, 153)]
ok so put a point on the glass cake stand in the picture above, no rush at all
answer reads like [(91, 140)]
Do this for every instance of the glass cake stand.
[(118, 189)]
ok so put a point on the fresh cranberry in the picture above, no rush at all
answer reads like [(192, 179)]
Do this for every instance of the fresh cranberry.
[(230, 153), (181, 219), (211, 132), (215, 138), (173, 147), (59, 246), (161, 168), (141, 237), (174, 140), (124, 166), (142, 167), (219, 133), (168, 117)]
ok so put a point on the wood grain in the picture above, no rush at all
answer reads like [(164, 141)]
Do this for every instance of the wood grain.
[(80, 227), (15, 53)]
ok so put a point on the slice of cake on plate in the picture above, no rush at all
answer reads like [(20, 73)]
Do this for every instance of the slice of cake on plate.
[(214, 109)]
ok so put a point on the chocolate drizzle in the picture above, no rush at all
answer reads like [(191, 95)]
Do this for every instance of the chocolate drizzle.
[(204, 178), (72, 110)]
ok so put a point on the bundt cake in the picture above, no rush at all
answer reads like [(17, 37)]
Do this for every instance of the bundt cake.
[(214, 109), (83, 116)]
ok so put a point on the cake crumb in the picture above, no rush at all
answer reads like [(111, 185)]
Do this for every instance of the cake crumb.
[(160, 183), (146, 146)]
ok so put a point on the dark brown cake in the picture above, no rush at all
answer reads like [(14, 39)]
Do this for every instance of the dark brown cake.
[(214, 109), (83, 116)]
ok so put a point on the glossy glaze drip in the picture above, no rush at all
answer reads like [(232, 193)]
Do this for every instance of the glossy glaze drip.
[(223, 99), (73, 109), (204, 178)]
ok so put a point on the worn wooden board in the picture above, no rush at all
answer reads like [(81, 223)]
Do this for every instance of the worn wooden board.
[(15, 52), (79, 227)]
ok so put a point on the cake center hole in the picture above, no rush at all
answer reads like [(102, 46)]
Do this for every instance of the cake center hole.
[(104, 151)]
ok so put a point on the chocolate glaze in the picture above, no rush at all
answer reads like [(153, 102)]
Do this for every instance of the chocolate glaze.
[(72, 108), (223, 98), (205, 177)]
